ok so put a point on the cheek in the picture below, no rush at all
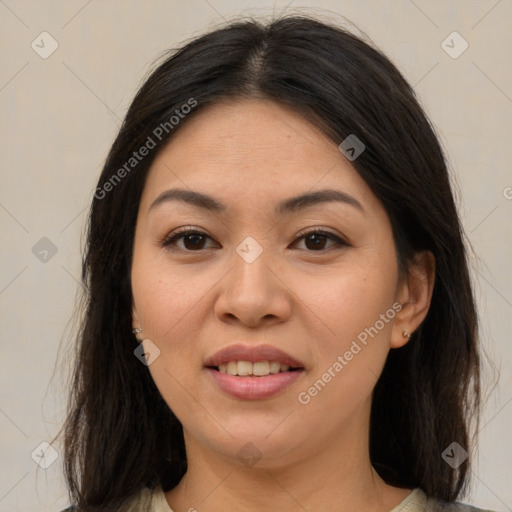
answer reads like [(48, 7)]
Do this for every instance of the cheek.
[(167, 298), (351, 299), (355, 308), (351, 352), (168, 302)]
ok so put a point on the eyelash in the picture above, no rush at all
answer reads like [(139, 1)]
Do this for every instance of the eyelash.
[(170, 240)]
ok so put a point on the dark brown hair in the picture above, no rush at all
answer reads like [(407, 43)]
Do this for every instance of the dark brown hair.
[(120, 435)]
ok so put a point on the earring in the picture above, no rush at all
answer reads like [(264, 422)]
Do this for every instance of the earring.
[(136, 331), (405, 334)]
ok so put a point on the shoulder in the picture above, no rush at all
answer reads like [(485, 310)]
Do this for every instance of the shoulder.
[(417, 501), (437, 506), (433, 505), (143, 500)]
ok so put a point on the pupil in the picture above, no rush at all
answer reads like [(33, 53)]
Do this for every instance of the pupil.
[(318, 243), (197, 240)]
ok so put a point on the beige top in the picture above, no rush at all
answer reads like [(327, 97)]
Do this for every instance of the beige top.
[(416, 501)]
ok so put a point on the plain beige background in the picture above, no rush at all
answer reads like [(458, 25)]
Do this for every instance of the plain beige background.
[(59, 118)]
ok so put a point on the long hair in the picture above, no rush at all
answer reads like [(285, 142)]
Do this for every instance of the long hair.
[(120, 436)]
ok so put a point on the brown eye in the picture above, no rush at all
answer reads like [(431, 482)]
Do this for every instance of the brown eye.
[(192, 240), (316, 240)]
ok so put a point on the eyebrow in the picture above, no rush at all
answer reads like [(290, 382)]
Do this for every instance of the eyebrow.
[(290, 205)]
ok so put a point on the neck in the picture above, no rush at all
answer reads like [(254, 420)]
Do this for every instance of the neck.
[(337, 475)]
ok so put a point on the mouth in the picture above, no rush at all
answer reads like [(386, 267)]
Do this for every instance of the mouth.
[(255, 360), (250, 372), (254, 369)]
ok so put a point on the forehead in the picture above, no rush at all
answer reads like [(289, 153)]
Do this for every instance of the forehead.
[(250, 149)]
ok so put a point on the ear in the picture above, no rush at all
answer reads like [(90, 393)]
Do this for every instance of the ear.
[(414, 294)]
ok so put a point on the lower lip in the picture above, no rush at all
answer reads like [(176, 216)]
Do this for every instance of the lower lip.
[(254, 388)]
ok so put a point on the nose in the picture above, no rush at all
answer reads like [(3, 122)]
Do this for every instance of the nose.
[(254, 293)]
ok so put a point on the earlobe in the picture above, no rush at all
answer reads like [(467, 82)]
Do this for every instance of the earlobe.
[(135, 317), (415, 296), (136, 324)]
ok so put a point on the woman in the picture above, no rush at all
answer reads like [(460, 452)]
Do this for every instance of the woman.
[(279, 315)]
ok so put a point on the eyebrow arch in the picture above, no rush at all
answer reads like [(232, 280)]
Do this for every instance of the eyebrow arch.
[(289, 205), (309, 199)]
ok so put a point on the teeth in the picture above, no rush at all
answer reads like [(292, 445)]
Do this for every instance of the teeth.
[(259, 369), (232, 368), (244, 368), (275, 367)]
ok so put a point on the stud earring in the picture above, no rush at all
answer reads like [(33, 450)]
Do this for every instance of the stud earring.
[(405, 334), (136, 331)]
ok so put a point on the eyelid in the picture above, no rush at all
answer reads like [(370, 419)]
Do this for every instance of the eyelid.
[(178, 233), (320, 230)]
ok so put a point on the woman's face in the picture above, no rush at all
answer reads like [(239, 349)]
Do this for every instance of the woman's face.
[(255, 283)]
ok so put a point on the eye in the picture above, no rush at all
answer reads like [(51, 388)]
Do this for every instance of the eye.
[(193, 240), (315, 239)]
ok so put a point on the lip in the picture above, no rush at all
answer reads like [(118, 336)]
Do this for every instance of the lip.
[(254, 388), (253, 354)]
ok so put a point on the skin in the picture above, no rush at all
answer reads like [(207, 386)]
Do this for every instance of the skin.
[(250, 155)]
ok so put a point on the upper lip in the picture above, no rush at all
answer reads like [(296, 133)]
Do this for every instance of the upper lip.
[(252, 353)]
